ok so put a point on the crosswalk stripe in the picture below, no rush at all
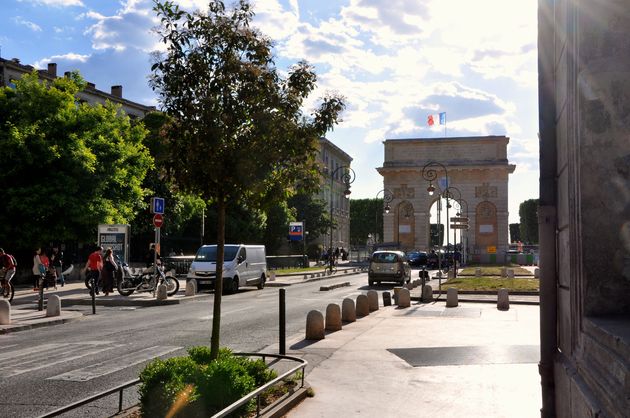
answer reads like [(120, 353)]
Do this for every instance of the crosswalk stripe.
[(46, 355), (103, 368)]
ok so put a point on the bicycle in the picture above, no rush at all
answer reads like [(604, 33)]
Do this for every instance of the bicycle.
[(331, 268), (8, 291)]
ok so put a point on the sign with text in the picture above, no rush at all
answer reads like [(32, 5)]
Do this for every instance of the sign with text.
[(296, 231), (115, 237), (491, 249), (158, 220), (459, 226), (462, 220)]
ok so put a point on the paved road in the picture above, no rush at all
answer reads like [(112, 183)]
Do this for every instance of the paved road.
[(46, 368)]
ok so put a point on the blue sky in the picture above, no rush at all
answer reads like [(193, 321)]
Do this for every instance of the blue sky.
[(396, 61)]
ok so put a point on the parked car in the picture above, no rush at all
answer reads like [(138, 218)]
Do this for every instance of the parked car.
[(243, 265), (389, 266), (417, 258)]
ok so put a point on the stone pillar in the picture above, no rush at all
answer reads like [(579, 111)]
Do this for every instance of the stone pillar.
[(451, 297), (478, 272), (272, 276), (348, 312), (191, 287), (510, 273), (363, 306), (404, 298), (372, 296), (537, 273), (315, 326), (387, 299), (396, 292), (503, 271), (53, 307), (161, 292), (427, 293), (333, 317), (5, 312), (503, 300)]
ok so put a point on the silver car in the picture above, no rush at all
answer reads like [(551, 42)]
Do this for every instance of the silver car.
[(389, 266)]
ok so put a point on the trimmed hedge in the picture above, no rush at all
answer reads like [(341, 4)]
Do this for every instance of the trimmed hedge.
[(194, 386)]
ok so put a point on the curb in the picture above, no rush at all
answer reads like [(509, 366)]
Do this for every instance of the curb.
[(314, 279), (27, 327), (469, 300), (291, 400), (334, 286), (65, 302)]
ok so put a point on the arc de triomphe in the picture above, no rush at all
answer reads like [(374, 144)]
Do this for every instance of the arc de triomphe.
[(476, 166)]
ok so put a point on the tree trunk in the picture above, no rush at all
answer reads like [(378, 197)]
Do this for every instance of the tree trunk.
[(218, 282)]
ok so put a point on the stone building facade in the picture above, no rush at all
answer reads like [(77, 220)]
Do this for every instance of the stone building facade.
[(584, 213), (334, 161), (476, 167), (13, 70)]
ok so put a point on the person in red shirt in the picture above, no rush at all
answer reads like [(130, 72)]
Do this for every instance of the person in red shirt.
[(7, 264), (94, 266)]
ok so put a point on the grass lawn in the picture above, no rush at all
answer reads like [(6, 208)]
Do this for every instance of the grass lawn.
[(494, 270), (492, 283)]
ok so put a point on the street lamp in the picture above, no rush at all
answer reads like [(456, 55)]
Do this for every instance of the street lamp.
[(448, 192), (430, 174), (388, 196), (347, 178)]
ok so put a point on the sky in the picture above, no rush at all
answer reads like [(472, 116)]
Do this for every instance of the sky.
[(395, 61)]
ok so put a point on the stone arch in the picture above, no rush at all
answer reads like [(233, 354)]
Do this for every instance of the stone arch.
[(486, 231), (405, 225)]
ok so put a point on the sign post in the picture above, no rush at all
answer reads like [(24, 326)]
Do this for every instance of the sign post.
[(157, 208)]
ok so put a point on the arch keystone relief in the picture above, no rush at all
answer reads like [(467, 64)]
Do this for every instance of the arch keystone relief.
[(476, 166)]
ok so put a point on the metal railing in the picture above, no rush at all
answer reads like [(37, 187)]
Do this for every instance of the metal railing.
[(230, 408)]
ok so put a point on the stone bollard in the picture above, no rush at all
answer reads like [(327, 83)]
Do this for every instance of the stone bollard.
[(333, 317), (477, 272), (305, 277), (396, 291), (536, 273), (372, 296), (161, 292), (363, 306), (451, 297), (315, 326), (427, 293), (404, 298), (348, 313), (510, 273), (191, 287), (272, 276), (451, 274), (503, 300), (312, 276), (387, 299), (5, 312), (503, 271), (53, 307)]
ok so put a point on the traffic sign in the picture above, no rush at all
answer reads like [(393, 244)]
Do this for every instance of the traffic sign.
[(157, 205), (461, 219), (158, 220), (459, 226)]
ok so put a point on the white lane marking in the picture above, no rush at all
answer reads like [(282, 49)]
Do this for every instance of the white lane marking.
[(119, 363), (46, 355)]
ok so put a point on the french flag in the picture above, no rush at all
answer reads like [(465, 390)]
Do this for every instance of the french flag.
[(441, 118)]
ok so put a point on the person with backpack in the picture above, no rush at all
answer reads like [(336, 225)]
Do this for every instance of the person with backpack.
[(56, 261), (8, 266)]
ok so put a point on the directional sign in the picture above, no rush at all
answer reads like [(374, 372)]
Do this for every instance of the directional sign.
[(157, 205), (461, 219), (459, 226), (158, 220), (296, 230)]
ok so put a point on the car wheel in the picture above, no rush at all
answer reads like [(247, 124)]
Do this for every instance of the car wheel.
[(234, 289), (371, 282)]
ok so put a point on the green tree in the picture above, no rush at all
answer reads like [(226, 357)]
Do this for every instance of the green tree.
[(366, 217), (238, 133), (515, 232), (528, 213), (66, 167)]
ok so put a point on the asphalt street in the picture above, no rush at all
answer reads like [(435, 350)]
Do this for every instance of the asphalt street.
[(46, 368)]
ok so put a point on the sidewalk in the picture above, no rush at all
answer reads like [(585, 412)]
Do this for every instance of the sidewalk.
[(426, 360)]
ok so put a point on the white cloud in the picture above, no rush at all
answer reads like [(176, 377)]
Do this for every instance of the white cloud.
[(32, 26), (70, 57)]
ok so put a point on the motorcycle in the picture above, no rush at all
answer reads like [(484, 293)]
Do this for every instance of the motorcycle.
[(147, 281)]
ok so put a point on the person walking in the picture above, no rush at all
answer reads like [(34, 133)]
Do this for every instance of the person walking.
[(39, 270), (56, 260), (7, 265), (107, 273), (49, 272), (94, 266)]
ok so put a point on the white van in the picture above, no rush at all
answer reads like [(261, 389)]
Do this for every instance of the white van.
[(243, 265)]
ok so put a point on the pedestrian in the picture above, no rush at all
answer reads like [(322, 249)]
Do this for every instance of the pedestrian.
[(56, 260), (50, 277), (93, 267), (152, 255), (107, 273), (39, 269), (8, 265)]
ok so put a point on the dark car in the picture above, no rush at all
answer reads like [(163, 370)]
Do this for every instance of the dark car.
[(417, 258)]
